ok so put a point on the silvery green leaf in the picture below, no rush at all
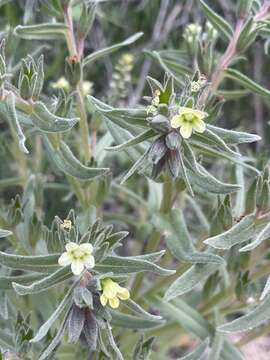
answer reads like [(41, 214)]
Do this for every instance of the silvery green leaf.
[(135, 167), (47, 282), (5, 233), (65, 161), (240, 232), (246, 82), (44, 120), (175, 69), (153, 257), (56, 340), (209, 183), (112, 342), (64, 304), (179, 241), (133, 322), (46, 31), (6, 340), (129, 265), (191, 278), (254, 318), (90, 330), (38, 263), (14, 122), (147, 134), (198, 353), (138, 310), (263, 235), (6, 281), (124, 117), (219, 23), (231, 137), (211, 137), (4, 313), (143, 348), (4, 2), (266, 289), (110, 49)]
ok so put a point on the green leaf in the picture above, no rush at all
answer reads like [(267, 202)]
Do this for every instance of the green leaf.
[(132, 322), (6, 281), (56, 340), (139, 163), (219, 23), (263, 235), (240, 232), (209, 183), (147, 134), (142, 349), (64, 304), (130, 265), (125, 118), (38, 263), (47, 31), (179, 241), (6, 340), (246, 82), (14, 122), (44, 120), (110, 49), (191, 278), (47, 282), (65, 161), (256, 317), (231, 137), (5, 233), (138, 310), (198, 353)]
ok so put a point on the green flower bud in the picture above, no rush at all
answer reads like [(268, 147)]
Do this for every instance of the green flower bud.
[(73, 69)]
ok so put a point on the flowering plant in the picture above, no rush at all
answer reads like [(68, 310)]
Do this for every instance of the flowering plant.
[(135, 202)]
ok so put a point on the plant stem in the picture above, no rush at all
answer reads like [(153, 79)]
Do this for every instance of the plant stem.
[(85, 150)]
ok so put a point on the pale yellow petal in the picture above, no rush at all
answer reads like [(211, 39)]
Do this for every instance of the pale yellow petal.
[(89, 262), (77, 267), (185, 110), (114, 302), (86, 248), (109, 288), (123, 294), (64, 259), (71, 246), (200, 114), (103, 299), (186, 131), (176, 121), (199, 126)]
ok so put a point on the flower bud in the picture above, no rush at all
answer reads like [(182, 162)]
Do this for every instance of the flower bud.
[(73, 69)]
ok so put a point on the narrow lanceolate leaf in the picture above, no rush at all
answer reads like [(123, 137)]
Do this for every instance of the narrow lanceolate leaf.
[(231, 137), (219, 23), (198, 353), (179, 241), (148, 134), (191, 278), (266, 289), (263, 235), (212, 138), (56, 340), (135, 167), (6, 281), (110, 49), (209, 183), (255, 318), (44, 120), (246, 82), (47, 31), (5, 233), (39, 263), (129, 265), (14, 122), (133, 322), (47, 282), (64, 304), (65, 161), (240, 232), (138, 310), (125, 118)]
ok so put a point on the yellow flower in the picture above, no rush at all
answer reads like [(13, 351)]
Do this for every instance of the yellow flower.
[(189, 119), (112, 292), (87, 87), (78, 256), (67, 224), (61, 83), (127, 59)]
